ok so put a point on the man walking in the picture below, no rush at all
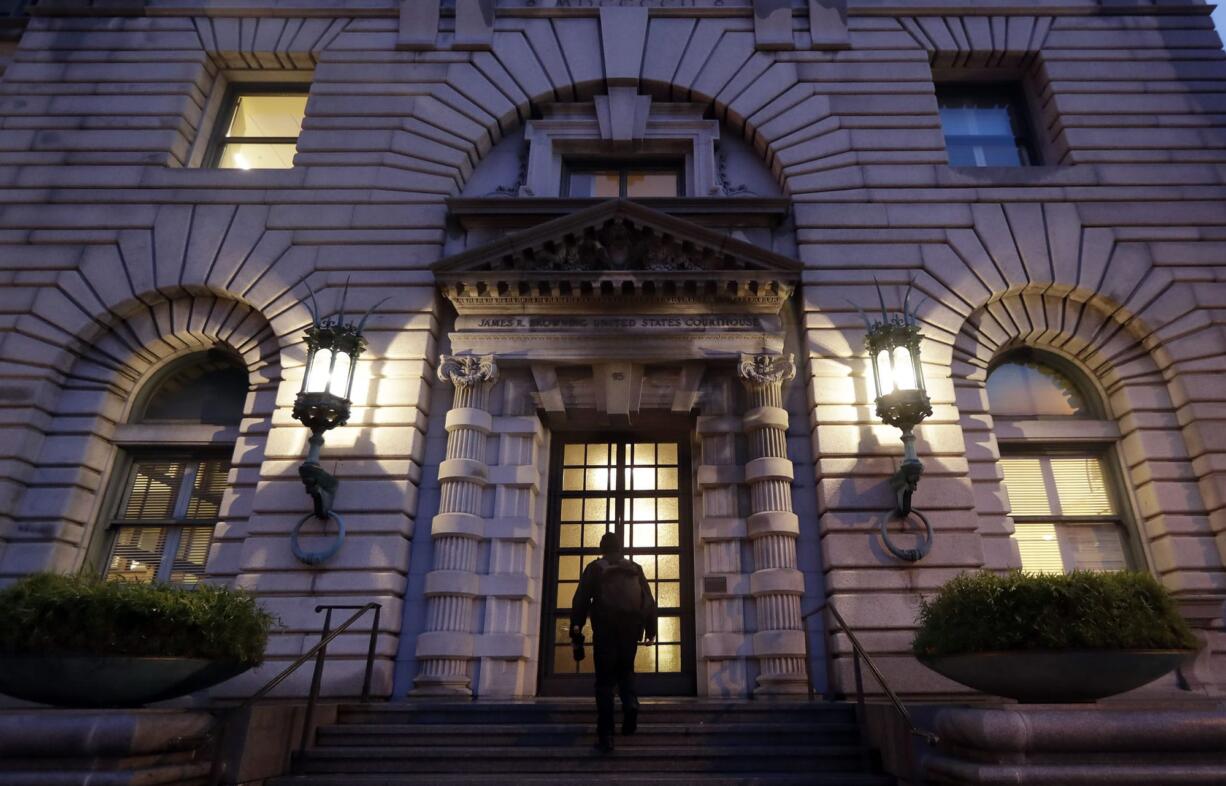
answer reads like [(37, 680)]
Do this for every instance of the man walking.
[(615, 594)]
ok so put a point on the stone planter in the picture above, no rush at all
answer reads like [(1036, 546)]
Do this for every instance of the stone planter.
[(110, 681), (1052, 676)]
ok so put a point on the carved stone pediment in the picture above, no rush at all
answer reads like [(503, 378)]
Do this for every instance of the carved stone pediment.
[(629, 256)]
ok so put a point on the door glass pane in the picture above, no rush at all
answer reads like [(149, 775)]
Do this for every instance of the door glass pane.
[(669, 629), (668, 657), (599, 455), (569, 568)]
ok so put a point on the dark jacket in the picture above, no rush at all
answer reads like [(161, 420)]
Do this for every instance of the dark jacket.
[(587, 598)]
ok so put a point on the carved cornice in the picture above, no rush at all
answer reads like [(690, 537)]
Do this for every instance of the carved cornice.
[(617, 234), (767, 369), (625, 255), (467, 370)]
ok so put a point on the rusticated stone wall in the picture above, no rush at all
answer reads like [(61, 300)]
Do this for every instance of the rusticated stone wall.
[(117, 254)]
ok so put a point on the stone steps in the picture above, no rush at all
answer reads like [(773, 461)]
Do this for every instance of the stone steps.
[(584, 712), (721, 735), (679, 742), (581, 758), (595, 778)]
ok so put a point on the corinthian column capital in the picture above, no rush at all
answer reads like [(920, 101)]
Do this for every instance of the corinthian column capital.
[(766, 369), (467, 370)]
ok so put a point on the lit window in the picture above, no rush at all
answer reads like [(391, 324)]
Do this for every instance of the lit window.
[(260, 129), (1063, 515), (1066, 515), (1026, 389), (985, 126), (627, 182), (161, 526), (165, 521)]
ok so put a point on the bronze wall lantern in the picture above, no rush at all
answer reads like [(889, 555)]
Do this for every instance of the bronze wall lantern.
[(322, 404), (893, 345)]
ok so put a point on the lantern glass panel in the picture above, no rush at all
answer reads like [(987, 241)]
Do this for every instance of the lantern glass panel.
[(885, 373), (329, 373), (904, 370), (341, 369)]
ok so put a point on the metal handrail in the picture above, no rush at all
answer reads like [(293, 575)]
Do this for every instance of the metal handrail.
[(859, 652), (320, 653)]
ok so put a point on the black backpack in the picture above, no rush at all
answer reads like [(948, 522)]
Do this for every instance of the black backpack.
[(621, 590)]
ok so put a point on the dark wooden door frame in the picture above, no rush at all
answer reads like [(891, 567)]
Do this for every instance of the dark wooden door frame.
[(680, 684)]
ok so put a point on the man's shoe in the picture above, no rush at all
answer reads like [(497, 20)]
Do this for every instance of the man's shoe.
[(605, 744), (630, 721)]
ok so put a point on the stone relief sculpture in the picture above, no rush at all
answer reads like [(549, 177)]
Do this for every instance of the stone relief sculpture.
[(517, 188), (620, 245), (725, 185)]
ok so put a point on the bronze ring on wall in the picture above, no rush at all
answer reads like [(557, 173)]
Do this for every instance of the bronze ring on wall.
[(318, 557), (908, 555)]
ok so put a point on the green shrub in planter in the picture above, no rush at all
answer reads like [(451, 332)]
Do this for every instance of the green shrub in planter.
[(1083, 610), (54, 615)]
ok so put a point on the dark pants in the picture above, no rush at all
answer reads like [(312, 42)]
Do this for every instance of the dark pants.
[(614, 645)]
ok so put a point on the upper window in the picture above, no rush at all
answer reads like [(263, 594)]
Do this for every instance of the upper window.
[(628, 181), (206, 389), (1025, 388), (161, 522), (985, 126), (1066, 509), (259, 128)]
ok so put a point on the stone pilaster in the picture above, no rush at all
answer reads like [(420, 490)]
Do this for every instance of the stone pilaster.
[(721, 532), (776, 583), (508, 643), (445, 648)]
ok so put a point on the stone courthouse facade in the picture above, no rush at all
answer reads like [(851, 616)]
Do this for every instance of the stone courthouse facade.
[(614, 255)]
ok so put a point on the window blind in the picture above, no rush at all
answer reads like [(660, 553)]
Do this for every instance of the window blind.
[(184, 497), (1064, 518), (1056, 486)]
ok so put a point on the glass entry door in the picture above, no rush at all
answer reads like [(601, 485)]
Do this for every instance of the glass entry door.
[(639, 487)]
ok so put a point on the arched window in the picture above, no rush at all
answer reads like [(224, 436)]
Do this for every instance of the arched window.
[(177, 449), (1057, 460)]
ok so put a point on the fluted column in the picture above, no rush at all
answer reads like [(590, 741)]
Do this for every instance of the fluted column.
[(445, 647), (775, 584)]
